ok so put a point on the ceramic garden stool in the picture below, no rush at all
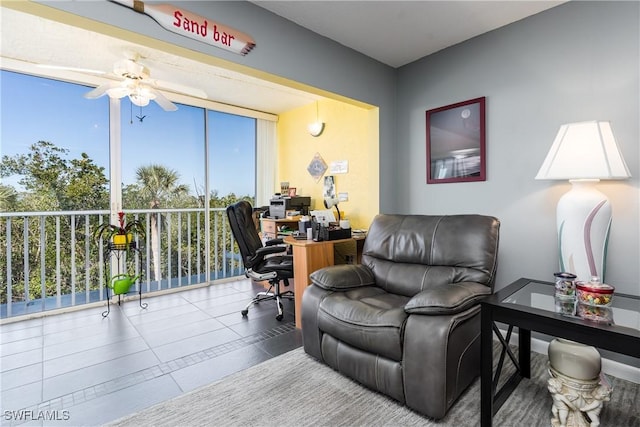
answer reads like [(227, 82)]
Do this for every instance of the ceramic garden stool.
[(574, 383)]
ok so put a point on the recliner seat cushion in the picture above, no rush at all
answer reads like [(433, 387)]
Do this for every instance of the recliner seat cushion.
[(367, 318)]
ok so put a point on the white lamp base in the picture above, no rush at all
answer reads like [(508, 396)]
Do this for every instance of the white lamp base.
[(583, 221)]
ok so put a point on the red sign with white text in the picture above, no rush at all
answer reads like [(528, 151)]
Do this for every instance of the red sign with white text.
[(194, 26)]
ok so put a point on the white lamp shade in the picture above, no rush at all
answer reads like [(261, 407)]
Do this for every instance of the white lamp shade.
[(585, 150)]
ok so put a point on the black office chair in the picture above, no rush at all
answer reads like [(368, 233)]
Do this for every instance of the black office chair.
[(259, 261)]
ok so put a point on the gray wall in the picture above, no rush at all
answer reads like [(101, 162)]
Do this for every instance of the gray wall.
[(579, 61)]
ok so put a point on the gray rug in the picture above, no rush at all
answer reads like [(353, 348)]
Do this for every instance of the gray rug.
[(296, 390)]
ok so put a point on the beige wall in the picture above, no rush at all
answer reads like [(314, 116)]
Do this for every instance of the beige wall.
[(351, 133)]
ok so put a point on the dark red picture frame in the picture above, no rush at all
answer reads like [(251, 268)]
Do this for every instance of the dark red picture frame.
[(456, 143)]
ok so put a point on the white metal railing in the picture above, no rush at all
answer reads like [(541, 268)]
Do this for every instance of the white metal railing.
[(50, 259)]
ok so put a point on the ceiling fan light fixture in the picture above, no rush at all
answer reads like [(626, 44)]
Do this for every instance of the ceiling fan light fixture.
[(145, 92), (118, 92), (139, 100)]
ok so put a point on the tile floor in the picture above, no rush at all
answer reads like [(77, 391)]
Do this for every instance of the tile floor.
[(81, 369)]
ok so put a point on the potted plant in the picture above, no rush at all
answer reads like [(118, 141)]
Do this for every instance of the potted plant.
[(121, 234)]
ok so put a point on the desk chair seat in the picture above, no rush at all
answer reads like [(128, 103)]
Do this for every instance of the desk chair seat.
[(269, 262)]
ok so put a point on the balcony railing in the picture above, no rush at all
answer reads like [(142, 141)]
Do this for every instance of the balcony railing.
[(50, 260)]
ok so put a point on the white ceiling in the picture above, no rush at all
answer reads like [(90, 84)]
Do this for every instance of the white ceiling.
[(393, 32)]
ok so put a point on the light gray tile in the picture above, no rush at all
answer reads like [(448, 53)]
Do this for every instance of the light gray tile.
[(22, 397), (225, 300), (154, 314), (210, 292), (83, 319), (179, 332), (16, 325), (82, 378), (21, 359), (160, 302), (172, 321), (18, 334), (21, 376), (86, 327), (19, 346), (229, 308), (194, 344), (110, 407), (101, 337), (92, 356)]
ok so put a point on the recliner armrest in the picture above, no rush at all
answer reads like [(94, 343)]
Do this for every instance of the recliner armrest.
[(447, 299), (342, 277)]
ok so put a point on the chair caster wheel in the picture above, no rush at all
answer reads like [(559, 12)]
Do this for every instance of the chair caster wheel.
[(279, 317), (244, 313)]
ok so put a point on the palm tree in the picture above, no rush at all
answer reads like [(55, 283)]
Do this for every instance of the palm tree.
[(159, 185)]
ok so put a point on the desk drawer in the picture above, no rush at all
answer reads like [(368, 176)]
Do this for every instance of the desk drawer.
[(269, 227)]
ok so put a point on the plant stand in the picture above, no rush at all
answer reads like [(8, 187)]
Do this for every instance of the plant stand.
[(124, 253)]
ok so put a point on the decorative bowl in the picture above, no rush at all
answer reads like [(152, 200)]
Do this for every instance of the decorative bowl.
[(594, 293)]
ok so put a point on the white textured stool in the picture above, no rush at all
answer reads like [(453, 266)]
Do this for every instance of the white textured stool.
[(574, 383)]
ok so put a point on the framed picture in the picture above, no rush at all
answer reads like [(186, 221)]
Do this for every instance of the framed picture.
[(456, 142), (329, 189), (292, 191)]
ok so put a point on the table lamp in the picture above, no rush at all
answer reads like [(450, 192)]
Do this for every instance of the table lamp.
[(329, 202), (584, 153)]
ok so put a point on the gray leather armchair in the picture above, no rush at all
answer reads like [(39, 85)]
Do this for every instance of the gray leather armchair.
[(406, 322)]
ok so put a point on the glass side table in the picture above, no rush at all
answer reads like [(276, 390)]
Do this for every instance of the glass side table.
[(530, 305)]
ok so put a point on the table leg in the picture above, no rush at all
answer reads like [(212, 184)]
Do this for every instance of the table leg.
[(524, 348), (486, 367)]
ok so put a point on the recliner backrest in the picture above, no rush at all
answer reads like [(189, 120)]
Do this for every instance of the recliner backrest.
[(410, 253), (240, 217)]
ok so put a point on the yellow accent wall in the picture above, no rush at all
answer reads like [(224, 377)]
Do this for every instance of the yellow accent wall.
[(350, 133)]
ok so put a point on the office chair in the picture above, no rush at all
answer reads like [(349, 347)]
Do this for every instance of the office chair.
[(259, 261)]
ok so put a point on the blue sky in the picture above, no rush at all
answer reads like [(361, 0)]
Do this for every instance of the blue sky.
[(34, 109)]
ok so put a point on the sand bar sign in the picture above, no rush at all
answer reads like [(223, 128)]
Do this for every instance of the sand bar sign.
[(188, 24)]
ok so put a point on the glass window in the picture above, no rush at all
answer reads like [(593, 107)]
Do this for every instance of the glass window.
[(232, 177), (55, 157), (163, 169)]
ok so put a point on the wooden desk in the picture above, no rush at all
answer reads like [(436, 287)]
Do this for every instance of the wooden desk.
[(269, 226), (309, 256)]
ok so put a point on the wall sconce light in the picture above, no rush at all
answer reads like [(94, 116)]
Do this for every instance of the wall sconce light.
[(315, 129), (584, 153)]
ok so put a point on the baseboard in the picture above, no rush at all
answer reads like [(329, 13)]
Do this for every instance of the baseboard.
[(609, 367)]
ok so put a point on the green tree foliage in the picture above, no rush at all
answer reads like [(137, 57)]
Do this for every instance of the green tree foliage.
[(50, 181), (53, 182)]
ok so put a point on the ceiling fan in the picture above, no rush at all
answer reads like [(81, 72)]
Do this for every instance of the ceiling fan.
[(136, 83), (133, 79)]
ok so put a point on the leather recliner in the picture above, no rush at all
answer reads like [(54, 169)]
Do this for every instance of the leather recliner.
[(406, 321)]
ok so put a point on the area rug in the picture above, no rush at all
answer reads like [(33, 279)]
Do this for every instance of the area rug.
[(296, 390)]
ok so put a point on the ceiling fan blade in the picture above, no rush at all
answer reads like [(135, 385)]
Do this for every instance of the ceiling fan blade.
[(162, 101), (100, 90), (179, 88)]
